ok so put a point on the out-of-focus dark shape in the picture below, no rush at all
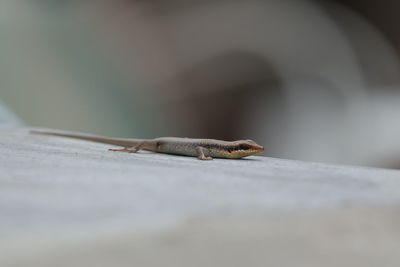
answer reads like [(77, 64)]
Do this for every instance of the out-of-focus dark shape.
[(311, 80)]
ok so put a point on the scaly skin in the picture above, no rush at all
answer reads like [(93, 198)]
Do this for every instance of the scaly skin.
[(204, 149)]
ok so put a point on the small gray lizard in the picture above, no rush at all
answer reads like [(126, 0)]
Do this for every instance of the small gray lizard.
[(204, 149)]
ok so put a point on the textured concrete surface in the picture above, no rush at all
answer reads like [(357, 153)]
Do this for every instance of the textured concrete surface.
[(66, 202)]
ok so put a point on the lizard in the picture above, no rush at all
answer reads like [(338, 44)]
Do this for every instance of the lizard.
[(203, 149)]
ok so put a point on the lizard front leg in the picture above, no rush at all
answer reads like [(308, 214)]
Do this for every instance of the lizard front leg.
[(201, 153)]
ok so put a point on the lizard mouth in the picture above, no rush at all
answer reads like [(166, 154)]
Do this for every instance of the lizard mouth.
[(258, 148)]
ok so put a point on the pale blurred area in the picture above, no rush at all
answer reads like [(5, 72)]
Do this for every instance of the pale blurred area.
[(309, 80)]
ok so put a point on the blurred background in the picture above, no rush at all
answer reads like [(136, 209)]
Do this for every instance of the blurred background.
[(309, 80)]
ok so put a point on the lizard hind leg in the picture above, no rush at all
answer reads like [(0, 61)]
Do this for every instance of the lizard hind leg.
[(131, 149)]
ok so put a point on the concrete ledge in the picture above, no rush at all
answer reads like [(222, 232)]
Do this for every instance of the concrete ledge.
[(66, 202)]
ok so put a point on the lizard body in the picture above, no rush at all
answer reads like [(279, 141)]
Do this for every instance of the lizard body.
[(204, 149)]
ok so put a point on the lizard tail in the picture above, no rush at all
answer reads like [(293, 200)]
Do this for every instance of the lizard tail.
[(124, 142)]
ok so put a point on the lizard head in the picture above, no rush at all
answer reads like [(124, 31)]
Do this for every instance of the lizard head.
[(244, 148)]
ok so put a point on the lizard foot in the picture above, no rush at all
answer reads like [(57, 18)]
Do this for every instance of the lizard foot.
[(204, 158)]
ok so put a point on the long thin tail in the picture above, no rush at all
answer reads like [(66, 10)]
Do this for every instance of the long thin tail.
[(98, 139)]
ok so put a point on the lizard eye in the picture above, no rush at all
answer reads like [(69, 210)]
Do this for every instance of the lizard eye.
[(244, 147)]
